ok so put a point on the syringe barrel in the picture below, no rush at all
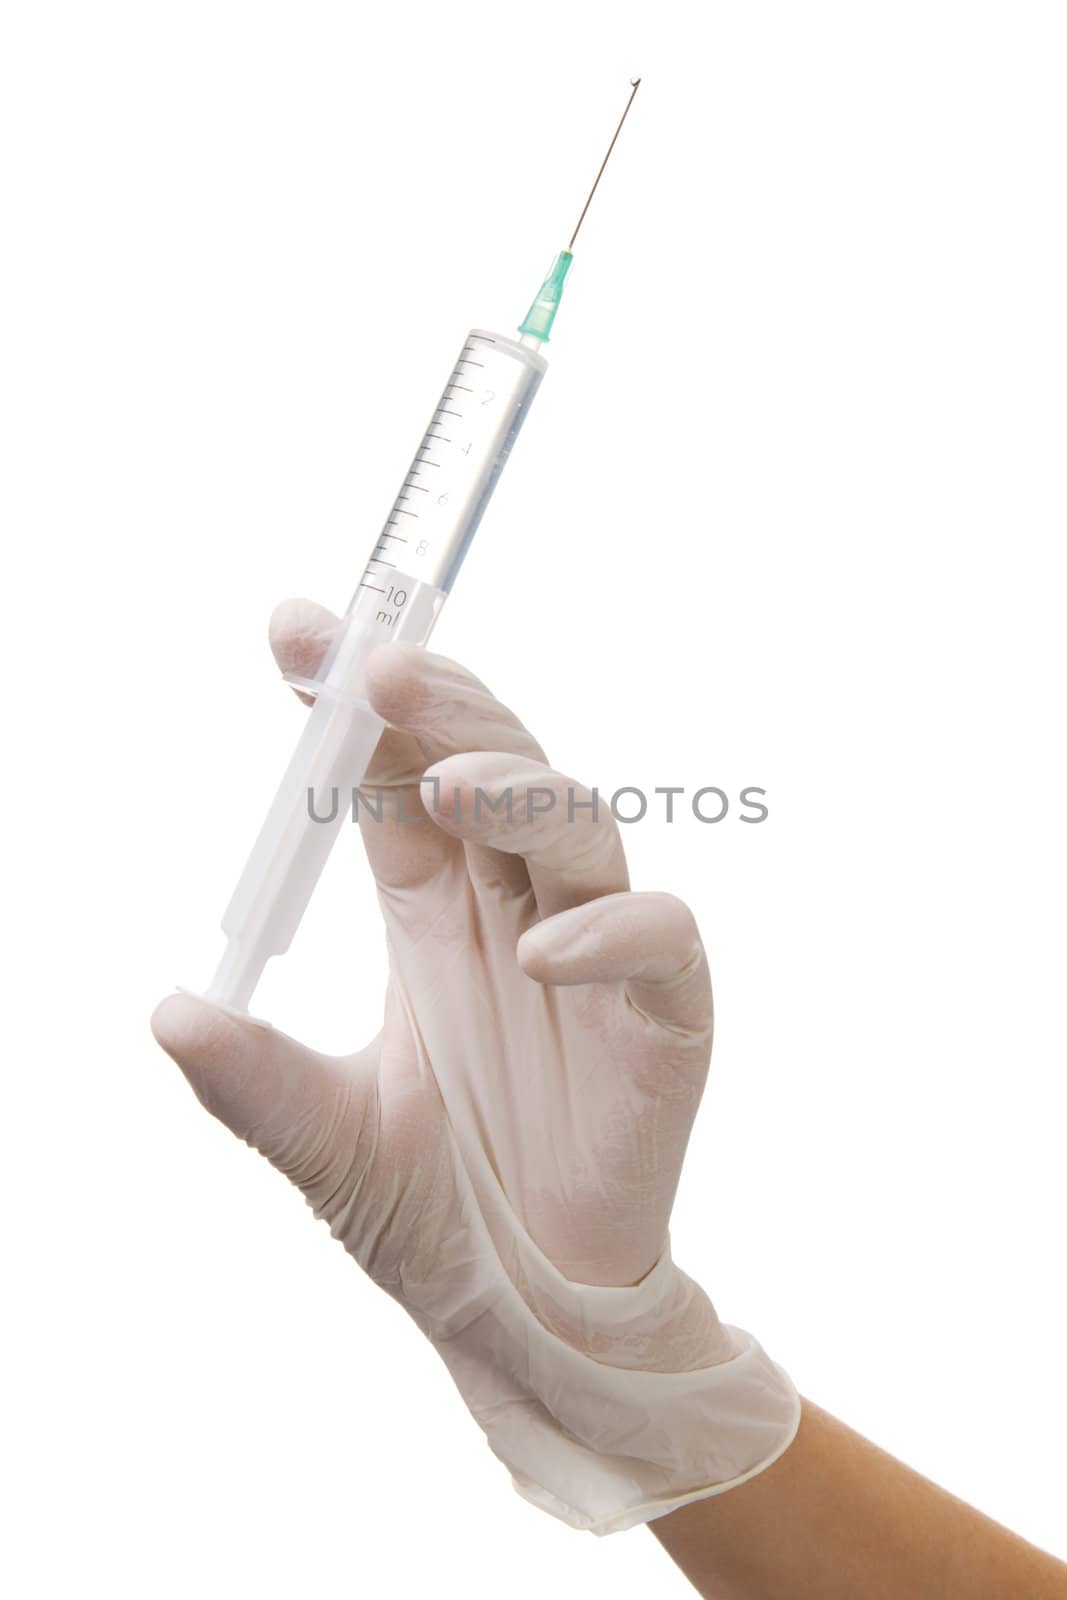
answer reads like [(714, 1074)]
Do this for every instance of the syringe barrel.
[(330, 761), (460, 457), (404, 585)]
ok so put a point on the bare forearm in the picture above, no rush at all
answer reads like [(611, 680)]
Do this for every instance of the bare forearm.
[(838, 1519)]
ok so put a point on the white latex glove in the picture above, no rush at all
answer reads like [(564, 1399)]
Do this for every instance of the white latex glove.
[(503, 1158)]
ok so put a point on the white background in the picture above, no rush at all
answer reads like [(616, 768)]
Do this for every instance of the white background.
[(789, 512)]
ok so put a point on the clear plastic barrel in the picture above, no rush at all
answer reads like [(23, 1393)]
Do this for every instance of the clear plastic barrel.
[(400, 595)]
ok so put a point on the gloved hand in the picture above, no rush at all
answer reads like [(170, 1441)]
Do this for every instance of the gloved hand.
[(503, 1158)]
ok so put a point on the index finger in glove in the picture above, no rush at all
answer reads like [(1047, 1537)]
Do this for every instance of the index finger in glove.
[(443, 709), (442, 704), (430, 697), (433, 707)]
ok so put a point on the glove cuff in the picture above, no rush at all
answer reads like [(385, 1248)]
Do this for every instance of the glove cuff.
[(611, 1433), (672, 1439)]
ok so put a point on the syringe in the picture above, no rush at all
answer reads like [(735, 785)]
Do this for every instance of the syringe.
[(400, 595)]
